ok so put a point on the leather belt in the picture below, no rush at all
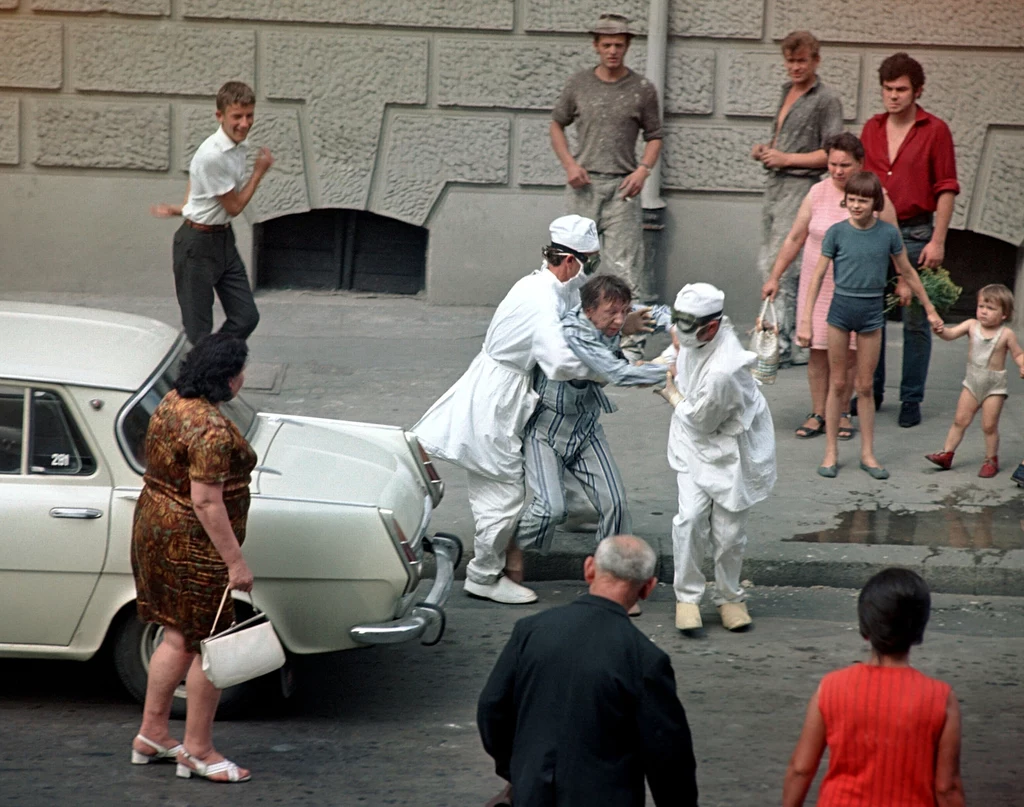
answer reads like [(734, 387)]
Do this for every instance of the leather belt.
[(916, 221), (207, 228)]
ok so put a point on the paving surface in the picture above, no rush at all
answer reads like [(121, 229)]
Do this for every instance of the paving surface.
[(387, 358)]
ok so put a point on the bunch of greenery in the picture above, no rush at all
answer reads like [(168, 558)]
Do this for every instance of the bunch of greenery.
[(939, 286)]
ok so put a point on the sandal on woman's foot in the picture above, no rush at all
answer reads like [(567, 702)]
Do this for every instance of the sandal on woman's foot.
[(846, 432), (160, 754), (805, 432), (196, 767)]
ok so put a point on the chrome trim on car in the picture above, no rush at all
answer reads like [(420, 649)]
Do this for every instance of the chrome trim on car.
[(435, 486), (75, 512), (426, 621)]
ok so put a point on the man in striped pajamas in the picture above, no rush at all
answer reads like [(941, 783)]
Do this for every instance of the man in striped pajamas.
[(564, 434)]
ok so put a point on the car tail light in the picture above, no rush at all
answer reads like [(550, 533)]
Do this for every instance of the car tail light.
[(428, 464), (403, 542), (427, 470)]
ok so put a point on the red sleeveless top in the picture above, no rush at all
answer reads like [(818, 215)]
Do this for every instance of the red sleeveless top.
[(882, 726)]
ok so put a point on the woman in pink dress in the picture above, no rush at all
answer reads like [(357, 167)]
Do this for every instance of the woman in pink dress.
[(821, 208)]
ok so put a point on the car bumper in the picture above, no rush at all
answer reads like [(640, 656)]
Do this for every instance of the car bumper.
[(426, 620)]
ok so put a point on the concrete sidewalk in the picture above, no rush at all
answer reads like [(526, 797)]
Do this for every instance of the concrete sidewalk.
[(387, 358)]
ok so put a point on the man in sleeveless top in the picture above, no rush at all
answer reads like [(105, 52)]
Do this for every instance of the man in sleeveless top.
[(911, 151), (205, 257), (611, 105), (809, 113)]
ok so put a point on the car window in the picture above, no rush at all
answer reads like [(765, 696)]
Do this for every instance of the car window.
[(12, 416), (134, 419), (57, 445)]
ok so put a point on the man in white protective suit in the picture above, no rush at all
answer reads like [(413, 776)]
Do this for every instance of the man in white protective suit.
[(721, 445), (478, 423)]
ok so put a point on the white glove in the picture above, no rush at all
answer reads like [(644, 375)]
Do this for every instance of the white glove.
[(669, 392)]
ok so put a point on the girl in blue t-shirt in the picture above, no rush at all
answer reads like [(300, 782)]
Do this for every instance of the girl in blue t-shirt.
[(860, 249)]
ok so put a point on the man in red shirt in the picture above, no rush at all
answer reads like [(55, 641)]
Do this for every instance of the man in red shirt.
[(911, 151)]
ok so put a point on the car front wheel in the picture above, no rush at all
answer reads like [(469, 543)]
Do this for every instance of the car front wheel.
[(133, 646)]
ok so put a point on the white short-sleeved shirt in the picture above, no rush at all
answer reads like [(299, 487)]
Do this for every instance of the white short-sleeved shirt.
[(217, 167)]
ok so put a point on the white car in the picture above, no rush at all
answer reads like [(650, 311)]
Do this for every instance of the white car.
[(337, 528)]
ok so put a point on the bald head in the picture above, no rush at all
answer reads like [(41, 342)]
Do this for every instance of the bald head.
[(626, 557)]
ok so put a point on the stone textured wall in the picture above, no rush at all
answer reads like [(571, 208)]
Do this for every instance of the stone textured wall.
[(386, 105)]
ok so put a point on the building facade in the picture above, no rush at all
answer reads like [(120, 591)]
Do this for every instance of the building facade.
[(434, 114)]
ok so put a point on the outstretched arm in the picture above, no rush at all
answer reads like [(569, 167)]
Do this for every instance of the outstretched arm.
[(162, 210), (584, 341), (806, 757), (958, 330)]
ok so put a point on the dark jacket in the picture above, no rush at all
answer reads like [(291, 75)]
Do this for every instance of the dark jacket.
[(580, 707)]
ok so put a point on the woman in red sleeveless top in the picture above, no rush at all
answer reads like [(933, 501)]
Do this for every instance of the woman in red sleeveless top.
[(893, 733)]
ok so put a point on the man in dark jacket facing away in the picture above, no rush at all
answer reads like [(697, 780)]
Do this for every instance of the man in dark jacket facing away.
[(581, 706)]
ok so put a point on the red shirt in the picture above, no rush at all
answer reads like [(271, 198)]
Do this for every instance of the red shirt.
[(882, 726), (924, 167)]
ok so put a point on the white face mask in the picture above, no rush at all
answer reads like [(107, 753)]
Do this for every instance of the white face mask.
[(689, 339)]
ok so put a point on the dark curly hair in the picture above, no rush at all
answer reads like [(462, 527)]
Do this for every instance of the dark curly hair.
[(899, 65), (209, 366), (893, 610)]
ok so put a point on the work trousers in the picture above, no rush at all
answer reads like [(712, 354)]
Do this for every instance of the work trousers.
[(620, 223), (783, 196), (553, 446), (698, 523), (495, 506), (205, 263)]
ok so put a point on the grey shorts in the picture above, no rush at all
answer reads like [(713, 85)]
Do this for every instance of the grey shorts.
[(856, 314)]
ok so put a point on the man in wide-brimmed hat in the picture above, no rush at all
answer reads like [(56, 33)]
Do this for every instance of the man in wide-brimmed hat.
[(610, 105)]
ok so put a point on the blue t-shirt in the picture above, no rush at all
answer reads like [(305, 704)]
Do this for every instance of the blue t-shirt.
[(860, 258)]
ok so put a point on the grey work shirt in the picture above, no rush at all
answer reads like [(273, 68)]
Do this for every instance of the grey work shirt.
[(814, 117), (602, 356), (609, 115)]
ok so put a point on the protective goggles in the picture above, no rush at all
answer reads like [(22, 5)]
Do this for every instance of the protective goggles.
[(588, 262), (688, 323)]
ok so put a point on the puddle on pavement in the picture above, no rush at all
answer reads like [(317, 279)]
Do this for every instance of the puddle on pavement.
[(997, 527)]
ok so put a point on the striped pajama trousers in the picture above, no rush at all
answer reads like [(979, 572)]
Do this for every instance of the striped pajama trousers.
[(553, 445)]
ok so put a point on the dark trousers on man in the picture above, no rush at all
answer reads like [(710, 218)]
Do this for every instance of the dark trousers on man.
[(207, 262), (917, 334)]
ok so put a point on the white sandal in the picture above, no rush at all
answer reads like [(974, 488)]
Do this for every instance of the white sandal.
[(205, 771), (162, 754)]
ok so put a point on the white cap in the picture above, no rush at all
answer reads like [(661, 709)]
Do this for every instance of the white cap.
[(700, 300), (576, 233)]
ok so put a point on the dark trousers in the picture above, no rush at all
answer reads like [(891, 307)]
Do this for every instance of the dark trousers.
[(917, 333), (205, 263)]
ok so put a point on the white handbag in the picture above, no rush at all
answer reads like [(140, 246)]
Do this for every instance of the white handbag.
[(765, 343), (241, 652)]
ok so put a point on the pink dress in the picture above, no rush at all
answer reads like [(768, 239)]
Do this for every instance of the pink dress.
[(825, 211)]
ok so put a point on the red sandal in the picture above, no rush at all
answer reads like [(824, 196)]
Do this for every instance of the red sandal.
[(989, 468)]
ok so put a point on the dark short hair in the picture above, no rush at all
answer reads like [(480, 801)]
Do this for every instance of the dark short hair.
[(209, 366), (866, 184), (801, 39), (901, 64), (848, 142), (602, 288), (235, 92), (893, 609)]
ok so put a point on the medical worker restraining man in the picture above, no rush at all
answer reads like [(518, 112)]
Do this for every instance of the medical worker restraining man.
[(478, 423), (721, 445)]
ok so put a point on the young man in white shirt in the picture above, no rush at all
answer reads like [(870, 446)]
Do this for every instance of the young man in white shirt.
[(206, 259)]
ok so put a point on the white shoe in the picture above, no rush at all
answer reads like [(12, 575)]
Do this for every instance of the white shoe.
[(688, 616), (503, 590), (734, 615)]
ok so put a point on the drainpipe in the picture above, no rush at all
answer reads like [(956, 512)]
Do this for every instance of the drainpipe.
[(650, 196)]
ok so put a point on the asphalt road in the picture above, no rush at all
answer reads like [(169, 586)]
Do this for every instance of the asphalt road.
[(395, 726)]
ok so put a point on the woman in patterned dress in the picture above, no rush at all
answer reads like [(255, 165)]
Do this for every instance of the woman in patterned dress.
[(821, 208), (186, 548)]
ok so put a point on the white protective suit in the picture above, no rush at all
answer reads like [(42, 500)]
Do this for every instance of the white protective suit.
[(722, 446), (478, 423)]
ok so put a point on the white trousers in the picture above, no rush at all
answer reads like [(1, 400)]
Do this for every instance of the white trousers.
[(699, 522), (495, 507)]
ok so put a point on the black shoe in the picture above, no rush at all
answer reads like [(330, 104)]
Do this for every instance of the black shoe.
[(910, 414), (853, 404)]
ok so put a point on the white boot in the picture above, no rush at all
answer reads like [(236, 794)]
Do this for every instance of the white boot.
[(688, 616), (734, 615), (502, 590)]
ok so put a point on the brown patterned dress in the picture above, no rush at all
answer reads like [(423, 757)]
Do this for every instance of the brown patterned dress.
[(179, 574)]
